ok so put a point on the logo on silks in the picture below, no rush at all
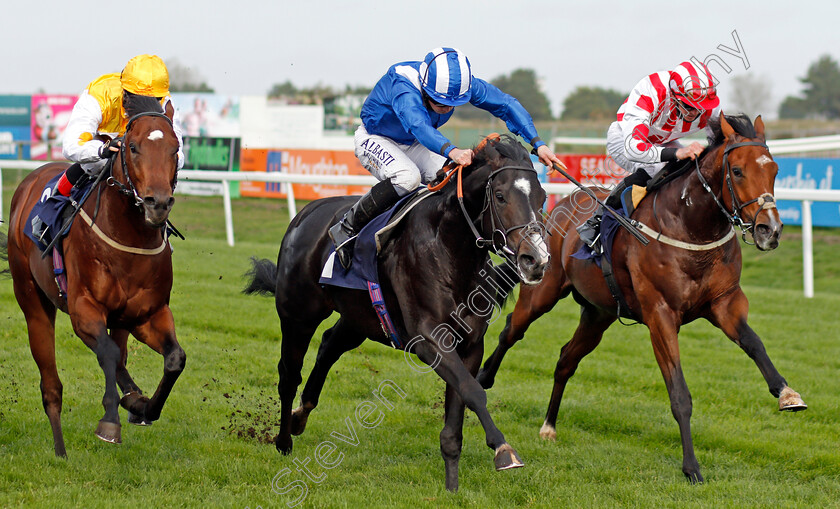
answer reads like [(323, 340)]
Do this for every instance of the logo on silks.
[(807, 173)]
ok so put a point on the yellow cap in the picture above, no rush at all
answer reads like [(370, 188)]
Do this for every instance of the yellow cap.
[(146, 75)]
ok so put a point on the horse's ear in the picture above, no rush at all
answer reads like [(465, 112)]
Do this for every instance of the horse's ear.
[(759, 128), (725, 128)]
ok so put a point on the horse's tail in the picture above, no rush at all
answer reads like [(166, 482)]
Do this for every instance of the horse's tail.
[(262, 276), (4, 252)]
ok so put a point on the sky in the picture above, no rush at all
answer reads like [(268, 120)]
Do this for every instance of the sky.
[(244, 47)]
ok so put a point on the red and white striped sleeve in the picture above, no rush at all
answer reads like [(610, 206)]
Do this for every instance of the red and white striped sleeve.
[(641, 109)]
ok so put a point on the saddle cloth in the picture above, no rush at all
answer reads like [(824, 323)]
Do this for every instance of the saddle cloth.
[(46, 218), (370, 241)]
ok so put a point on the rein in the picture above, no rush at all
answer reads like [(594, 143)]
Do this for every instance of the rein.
[(765, 201), (489, 204)]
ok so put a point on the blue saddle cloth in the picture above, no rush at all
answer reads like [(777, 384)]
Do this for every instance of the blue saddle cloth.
[(364, 266), (45, 220), (609, 227)]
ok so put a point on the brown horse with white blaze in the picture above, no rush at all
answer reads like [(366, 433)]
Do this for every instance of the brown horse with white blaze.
[(119, 273), (691, 269)]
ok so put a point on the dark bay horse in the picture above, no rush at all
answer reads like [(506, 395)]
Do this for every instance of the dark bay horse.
[(693, 271), (119, 273), (430, 275)]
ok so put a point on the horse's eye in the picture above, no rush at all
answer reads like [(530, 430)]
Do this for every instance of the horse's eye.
[(500, 196), (133, 148), (736, 170)]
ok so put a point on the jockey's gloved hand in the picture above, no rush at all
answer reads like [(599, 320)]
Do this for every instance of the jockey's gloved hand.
[(109, 148)]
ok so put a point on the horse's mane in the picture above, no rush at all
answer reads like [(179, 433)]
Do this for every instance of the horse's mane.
[(506, 147), (135, 104), (742, 125)]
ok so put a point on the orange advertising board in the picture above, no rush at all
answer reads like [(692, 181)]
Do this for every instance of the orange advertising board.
[(303, 162)]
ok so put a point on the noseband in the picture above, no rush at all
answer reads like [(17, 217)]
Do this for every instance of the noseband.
[(129, 189), (765, 201)]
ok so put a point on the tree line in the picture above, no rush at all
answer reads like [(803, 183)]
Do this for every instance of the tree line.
[(819, 98)]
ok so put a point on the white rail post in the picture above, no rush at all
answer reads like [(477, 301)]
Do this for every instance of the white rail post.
[(228, 212), (290, 197), (807, 249)]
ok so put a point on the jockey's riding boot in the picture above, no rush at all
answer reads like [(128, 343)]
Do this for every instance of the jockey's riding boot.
[(343, 234), (590, 230), (68, 180)]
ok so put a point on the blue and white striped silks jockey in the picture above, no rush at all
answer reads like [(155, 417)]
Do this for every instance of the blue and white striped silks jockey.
[(395, 110)]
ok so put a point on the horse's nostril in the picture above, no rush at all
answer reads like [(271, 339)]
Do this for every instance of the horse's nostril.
[(149, 201), (527, 261), (763, 230)]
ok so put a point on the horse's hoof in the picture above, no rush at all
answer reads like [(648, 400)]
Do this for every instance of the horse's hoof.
[(135, 402), (284, 446), (299, 418), (109, 432), (789, 400), (138, 420), (507, 458), (547, 432), (694, 477)]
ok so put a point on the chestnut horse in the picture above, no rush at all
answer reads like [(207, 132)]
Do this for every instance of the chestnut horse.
[(429, 274), (692, 271), (119, 273)]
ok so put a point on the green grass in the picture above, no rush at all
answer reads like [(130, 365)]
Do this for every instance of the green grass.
[(617, 443)]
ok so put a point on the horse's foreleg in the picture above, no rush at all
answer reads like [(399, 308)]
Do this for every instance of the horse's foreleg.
[(293, 346), (532, 303), (451, 368), (131, 392), (730, 315), (587, 336), (88, 319), (663, 336), (159, 334), (336, 341)]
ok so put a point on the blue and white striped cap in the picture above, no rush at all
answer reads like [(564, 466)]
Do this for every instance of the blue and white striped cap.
[(446, 77)]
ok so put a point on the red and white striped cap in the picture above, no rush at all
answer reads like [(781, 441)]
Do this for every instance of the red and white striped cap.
[(694, 85)]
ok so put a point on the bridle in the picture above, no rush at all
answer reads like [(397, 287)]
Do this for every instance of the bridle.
[(765, 201), (128, 188), (499, 237)]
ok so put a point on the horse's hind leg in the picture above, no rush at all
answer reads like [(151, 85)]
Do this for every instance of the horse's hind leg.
[(40, 324), (730, 316), (533, 302), (293, 346), (159, 334), (590, 330), (336, 341)]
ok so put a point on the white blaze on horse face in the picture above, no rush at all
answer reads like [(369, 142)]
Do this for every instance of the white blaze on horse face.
[(764, 159), (523, 185), (157, 134)]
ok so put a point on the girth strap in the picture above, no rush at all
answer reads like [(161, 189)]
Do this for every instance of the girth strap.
[(615, 290)]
